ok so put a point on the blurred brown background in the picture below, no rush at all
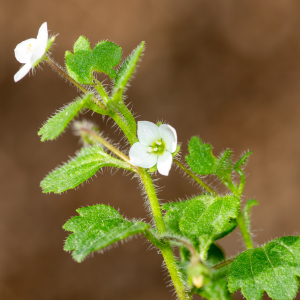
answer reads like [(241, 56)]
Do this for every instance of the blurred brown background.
[(226, 70)]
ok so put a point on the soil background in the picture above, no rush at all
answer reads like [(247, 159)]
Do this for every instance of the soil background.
[(226, 70)]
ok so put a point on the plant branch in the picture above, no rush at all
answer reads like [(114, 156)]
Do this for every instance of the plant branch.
[(101, 90), (196, 178), (244, 231), (78, 85), (166, 250), (114, 115)]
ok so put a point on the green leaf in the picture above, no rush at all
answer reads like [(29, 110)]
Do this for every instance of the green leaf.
[(56, 124), (201, 215), (273, 268), (201, 160), (79, 169), (242, 161), (215, 290), (97, 227), (85, 61), (127, 68), (207, 214), (215, 255), (173, 215), (246, 213), (224, 167)]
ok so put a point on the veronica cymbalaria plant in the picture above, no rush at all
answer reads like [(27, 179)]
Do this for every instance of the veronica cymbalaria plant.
[(194, 225)]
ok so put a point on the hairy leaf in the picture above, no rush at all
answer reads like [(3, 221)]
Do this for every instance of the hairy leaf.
[(127, 68), (224, 166), (242, 161), (56, 124), (208, 214), (201, 160), (273, 268), (79, 169), (173, 215), (85, 61), (201, 215), (97, 227)]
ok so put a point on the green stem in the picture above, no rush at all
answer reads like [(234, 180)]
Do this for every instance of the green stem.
[(130, 120), (184, 242), (116, 103), (124, 127), (223, 264), (101, 90), (196, 178), (244, 231), (78, 85), (166, 249), (129, 125), (108, 145)]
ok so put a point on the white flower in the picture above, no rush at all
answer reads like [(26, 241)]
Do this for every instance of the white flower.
[(155, 147), (31, 51)]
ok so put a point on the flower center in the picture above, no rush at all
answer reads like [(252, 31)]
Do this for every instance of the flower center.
[(158, 147), (30, 48)]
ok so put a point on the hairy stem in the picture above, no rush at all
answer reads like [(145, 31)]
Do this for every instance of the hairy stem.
[(106, 144), (130, 120), (101, 90), (244, 231), (128, 124), (196, 178), (119, 104), (223, 264), (78, 85), (184, 242), (166, 249), (240, 219)]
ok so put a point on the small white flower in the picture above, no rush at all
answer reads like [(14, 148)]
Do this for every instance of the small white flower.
[(31, 51), (155, 147)]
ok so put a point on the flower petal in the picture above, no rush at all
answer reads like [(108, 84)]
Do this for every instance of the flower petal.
[(139, 156), (148, 133), (169, 136), (22, 72), (43, 33), (164, 163), (24, 50), (42, 40)]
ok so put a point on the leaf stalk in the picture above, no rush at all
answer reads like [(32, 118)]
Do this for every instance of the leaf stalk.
[(196, 178), (244, 231)]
